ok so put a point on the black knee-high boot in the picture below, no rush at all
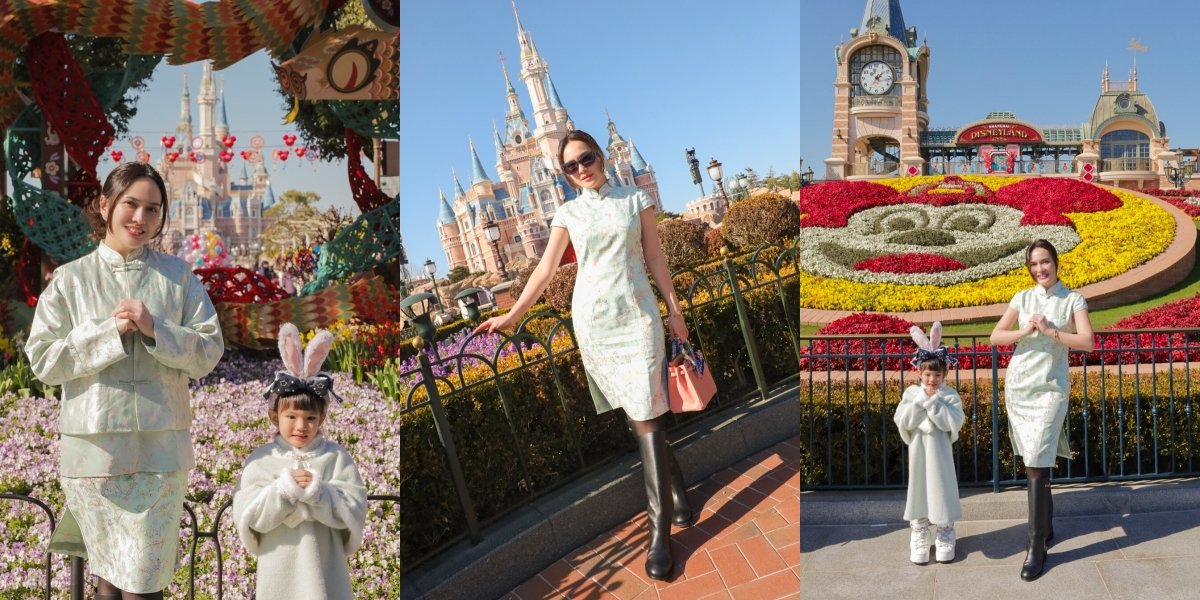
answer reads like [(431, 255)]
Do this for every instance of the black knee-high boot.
[(1050, 534), (682, 515), (1039, 527), (659, 505)]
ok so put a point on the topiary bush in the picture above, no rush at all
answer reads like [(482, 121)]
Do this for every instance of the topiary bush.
[(683, 242), (713, 242), (762, 219), (562, 285)]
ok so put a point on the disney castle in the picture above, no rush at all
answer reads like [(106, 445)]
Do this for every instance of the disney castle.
[(529, 185), (204, 195)]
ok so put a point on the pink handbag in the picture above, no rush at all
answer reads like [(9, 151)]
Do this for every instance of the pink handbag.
[(689, 384)]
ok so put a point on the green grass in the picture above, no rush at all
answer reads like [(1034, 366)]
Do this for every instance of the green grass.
[(1190, 286)]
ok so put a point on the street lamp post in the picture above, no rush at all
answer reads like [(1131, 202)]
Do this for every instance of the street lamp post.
[(431, 268), (806, 177), (493, 233), (1179, 173), (714, 172)]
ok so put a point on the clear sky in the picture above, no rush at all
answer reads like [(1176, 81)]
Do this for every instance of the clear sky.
[(253, 108), (1039, 60), (721, 77)]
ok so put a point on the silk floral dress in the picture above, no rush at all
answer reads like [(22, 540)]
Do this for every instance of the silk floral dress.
[(614, 311), (1037, 384)]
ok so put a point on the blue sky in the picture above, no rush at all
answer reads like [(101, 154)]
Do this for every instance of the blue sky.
[(1039, 60), (721, 77), (252, 107)]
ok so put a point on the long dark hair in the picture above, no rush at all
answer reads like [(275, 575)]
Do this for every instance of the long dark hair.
[(114, 187)]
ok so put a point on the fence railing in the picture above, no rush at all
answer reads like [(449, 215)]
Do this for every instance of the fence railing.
[(195, 536), (523, 407), (1131, 414)]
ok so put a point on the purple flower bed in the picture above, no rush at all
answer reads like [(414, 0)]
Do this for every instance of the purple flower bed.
[(230, 420)]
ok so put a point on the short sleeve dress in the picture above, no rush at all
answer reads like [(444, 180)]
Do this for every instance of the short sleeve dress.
[(1037, 385), (615, 314)]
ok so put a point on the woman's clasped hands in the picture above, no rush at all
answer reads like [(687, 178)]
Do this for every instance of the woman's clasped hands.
[(132, 315)]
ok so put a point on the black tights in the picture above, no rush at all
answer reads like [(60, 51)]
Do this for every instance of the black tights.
[(1032, 473), (640, 428), (106, 588)]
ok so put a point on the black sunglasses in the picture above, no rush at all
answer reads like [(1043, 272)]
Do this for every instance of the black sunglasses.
[(585, 160)]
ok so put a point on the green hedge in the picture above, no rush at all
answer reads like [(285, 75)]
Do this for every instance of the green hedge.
[(1122, 413), (489, 453)]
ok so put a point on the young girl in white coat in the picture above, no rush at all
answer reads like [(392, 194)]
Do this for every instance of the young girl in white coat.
[(300, 504), (929, 417)]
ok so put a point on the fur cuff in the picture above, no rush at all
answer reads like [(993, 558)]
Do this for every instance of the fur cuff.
[(288, 487), (310, 494)]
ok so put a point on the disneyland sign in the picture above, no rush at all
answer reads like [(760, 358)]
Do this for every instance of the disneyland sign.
[(999, 133)]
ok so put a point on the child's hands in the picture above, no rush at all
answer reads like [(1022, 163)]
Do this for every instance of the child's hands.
[(302, 477), (136, 311)]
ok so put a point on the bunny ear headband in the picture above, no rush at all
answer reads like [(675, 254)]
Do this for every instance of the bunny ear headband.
[(302, 372), (927, 347)]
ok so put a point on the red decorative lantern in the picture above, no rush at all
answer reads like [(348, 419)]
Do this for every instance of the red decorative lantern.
[(289, 139), (226, 156), (116, 155), (229, 140), (168, 140), (282, 154), (172, 156), (300, 151)]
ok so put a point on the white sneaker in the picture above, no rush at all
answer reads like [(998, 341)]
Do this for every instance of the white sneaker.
[(919, 541), (945, 543)]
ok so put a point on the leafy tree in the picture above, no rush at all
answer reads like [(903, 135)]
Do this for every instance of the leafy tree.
[(665, 215), (794, 181), (458, 273), (294, 202)]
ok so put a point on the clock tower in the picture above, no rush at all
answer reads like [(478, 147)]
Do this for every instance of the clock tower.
[(880, 106)]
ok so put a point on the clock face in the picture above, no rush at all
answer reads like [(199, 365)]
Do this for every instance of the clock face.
[(876, 78)]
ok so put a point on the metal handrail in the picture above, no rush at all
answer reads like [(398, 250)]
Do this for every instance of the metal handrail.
[(77, 583), (1134, 430)]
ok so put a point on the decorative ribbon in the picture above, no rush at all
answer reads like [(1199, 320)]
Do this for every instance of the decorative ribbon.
[(286, 384), (940, 353)]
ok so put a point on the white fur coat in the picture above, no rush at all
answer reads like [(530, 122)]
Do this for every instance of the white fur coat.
[(301, 536), (929, 425)]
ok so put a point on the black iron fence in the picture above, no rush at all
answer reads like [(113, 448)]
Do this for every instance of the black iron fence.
[(194, 538), (1131, 412), (485, 431)]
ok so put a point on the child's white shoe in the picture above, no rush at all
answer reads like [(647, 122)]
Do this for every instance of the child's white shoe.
[(919, 541), (944, 544)]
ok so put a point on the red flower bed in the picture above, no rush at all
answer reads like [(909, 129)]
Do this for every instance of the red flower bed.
[(866, 323), (912, 262), (830, 203), (1178, 199), (1044, 201), (1111, 348)]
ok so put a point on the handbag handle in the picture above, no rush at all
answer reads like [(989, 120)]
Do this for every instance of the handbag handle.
[(689, 354)]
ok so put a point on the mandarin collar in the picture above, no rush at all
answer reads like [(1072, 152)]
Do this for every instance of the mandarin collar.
[(1046, 293), (603, 191), (113, 259)]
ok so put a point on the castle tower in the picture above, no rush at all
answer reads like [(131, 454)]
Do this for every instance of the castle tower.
[(207, 102), (449, 233), (516, 127), (880, 106), (548, 129), (222, 128)]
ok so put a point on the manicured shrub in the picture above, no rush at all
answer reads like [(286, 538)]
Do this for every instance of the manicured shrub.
[(683, 242), (761, 219)]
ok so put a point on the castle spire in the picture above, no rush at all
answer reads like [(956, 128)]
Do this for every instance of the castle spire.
[(479, 175), (183, 130), (458, 189), (445, 214)]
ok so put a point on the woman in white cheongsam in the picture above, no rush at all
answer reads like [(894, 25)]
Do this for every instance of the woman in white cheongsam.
[(1051, 320), (617, 321)]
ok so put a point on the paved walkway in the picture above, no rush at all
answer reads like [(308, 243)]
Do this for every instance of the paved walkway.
[(1129, 549), (745, 544)]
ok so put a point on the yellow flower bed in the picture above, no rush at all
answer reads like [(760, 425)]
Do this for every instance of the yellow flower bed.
[(1114, 242)]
